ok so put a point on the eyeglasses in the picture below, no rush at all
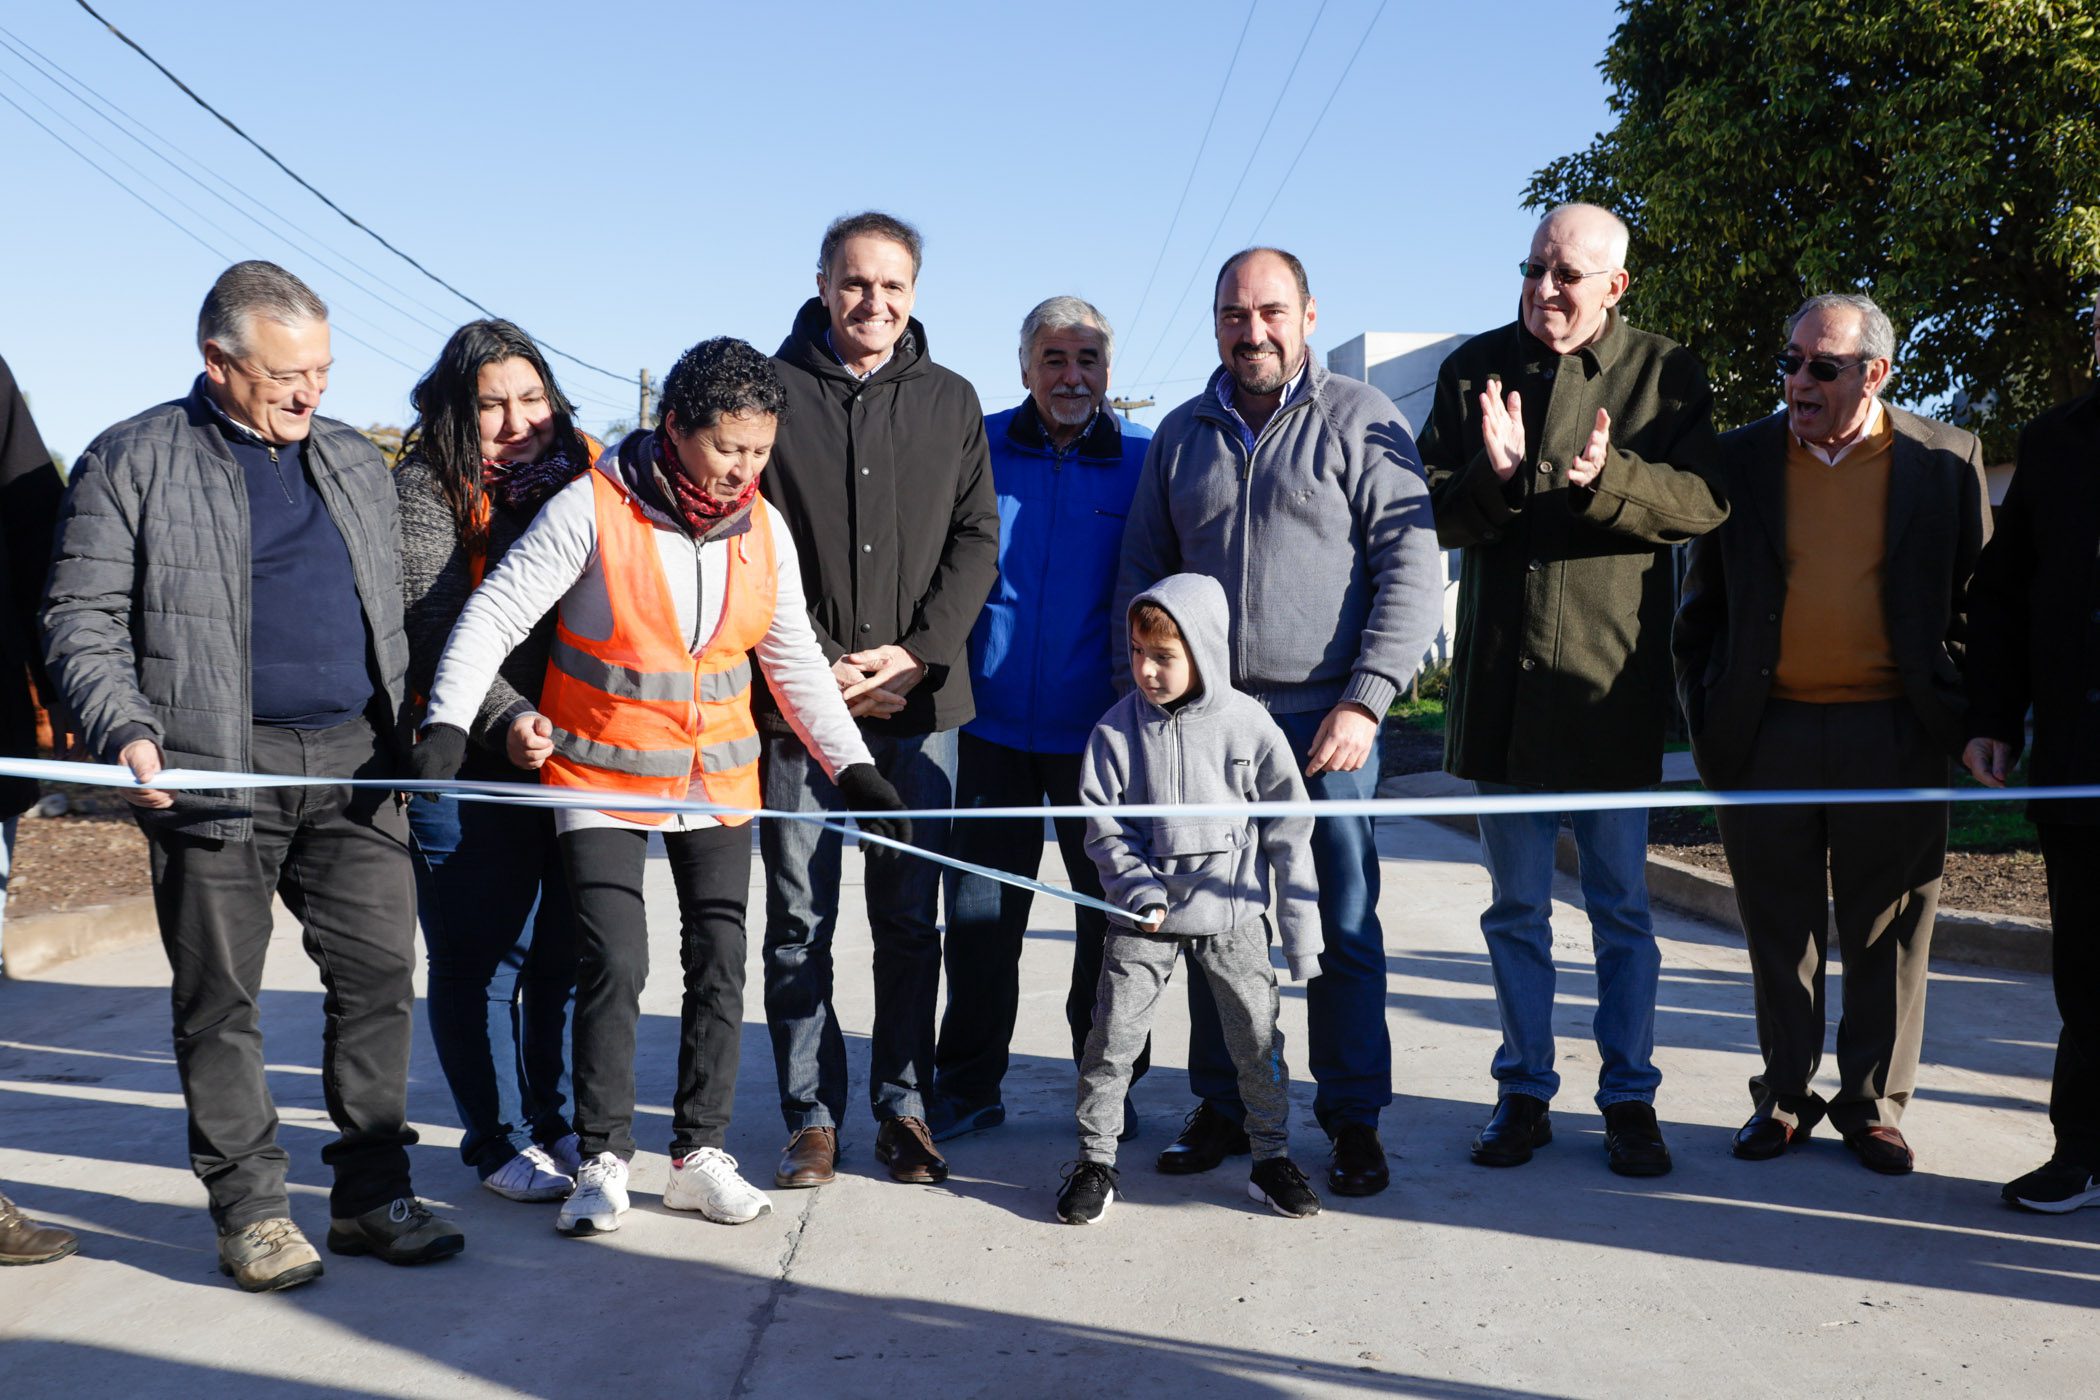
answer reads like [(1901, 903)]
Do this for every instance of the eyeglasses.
[(1566, 276), (1822, 371)]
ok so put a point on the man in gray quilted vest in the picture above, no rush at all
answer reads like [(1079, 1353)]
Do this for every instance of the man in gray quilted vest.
[(226, 595)]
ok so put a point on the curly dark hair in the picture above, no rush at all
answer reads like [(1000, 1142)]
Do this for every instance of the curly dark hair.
[(447, 429), (721, 377)]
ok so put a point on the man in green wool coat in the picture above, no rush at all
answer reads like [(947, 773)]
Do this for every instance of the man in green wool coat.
[(1566, 453)]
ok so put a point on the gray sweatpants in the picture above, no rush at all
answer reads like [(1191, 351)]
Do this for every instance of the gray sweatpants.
[(1134, 969)]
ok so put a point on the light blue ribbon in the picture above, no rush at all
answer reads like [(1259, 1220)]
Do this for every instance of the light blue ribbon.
[(114, 775)]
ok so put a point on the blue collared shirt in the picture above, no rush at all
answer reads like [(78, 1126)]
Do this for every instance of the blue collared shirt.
[(863, 378), (1290, 393)]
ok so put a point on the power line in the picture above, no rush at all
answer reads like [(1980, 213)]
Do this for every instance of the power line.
[(303, 183), (1292, 169), (180, 227), (1252, 151), (141, 134), (1224, 83), (184, 204)]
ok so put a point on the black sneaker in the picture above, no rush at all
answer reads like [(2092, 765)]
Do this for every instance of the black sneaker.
[(1279, 1185), (1089, 1190), (1207, 1139), (2057, 1187)]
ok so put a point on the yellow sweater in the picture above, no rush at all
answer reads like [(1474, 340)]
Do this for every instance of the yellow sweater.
[(1834, 636)]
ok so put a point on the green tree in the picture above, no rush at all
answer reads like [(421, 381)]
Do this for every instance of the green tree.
[(1941, 155), (387, 439)]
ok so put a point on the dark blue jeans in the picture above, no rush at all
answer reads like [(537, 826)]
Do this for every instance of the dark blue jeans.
[(988, 920), (1352, 1052), (802, 907), (501, 937)]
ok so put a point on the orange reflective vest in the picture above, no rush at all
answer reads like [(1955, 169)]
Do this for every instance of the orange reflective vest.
[(638, 711)]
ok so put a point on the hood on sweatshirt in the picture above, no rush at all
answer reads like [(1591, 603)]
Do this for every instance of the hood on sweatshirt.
[(1196, 602), (632, 466)]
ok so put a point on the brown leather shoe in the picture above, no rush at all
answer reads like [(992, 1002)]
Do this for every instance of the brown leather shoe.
[(1882, 1150), (906, 1148), (26, 1241), (811, 1159)]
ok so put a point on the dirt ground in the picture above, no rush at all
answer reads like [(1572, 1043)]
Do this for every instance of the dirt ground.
[(95, 854), (1976, 882)]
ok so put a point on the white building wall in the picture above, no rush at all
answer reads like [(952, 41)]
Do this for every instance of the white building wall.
[(1404, 365)]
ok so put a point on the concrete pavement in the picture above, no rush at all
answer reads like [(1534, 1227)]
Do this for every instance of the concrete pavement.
[(1804, 1275)]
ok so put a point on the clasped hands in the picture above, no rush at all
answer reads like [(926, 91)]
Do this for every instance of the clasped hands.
[(873, 683), (1502, 435)]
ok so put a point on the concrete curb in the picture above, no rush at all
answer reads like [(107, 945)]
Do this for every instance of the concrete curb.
[(35, 942), (2005, 941)]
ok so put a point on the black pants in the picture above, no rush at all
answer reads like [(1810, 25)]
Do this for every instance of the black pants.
[(1884, 863), (988, 920), (711, 869), (339, 858), (2072, 854)]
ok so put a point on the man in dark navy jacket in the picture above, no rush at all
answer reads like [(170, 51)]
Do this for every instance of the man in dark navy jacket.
[(1041, 660), (2034, 638)]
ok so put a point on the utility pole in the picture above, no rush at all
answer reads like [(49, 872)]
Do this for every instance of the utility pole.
[(648, 394), (1123, 406)]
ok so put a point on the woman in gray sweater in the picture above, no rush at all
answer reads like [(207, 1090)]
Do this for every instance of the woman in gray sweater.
[(493, 439)]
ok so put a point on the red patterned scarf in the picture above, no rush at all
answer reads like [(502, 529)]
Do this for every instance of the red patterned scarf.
[(702, 510)]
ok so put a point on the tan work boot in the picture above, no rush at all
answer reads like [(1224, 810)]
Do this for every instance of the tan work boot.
[(24, 1241), (268, 1255)]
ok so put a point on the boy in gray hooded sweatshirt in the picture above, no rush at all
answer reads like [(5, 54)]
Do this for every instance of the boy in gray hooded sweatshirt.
[(1197, 883)]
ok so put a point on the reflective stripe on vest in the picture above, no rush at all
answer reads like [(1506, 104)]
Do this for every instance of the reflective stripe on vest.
[(636, 711)]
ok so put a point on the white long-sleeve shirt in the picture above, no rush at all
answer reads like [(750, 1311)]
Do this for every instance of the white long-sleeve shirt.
[(556, 561)]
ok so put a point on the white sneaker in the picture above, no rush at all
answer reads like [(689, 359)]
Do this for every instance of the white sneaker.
[(530, 1176), (567, 1152), (706, 1181), (599, 1200)]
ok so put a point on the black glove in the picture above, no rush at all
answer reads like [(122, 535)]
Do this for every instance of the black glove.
[(866, 790), (438, 755)]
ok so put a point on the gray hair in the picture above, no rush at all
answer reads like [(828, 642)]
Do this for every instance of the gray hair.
[(248, 290), (1877, 338), (1063, 314)]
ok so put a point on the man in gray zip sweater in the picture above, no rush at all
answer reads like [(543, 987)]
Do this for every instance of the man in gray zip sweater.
[(1301, 493)]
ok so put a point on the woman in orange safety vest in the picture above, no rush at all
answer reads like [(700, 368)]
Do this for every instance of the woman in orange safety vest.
[(671, 578)]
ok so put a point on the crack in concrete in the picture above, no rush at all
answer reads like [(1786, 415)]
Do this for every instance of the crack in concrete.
[(762, 1316)]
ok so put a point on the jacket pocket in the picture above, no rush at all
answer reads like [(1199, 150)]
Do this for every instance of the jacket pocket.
[(1199, 864)]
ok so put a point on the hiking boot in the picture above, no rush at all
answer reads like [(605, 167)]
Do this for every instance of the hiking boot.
[(268, 1255), (403, 1231), (707, 1181), (24, 1241), (1089, 1190)]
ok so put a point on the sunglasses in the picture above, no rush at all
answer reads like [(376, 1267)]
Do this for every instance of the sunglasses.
[(1566, 276), (1822, 371)]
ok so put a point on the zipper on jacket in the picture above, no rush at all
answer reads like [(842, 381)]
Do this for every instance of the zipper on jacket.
[(278, 468), (1042, 592)]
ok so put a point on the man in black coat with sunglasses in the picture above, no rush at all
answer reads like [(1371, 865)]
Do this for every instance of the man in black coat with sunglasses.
[(1820, 645)]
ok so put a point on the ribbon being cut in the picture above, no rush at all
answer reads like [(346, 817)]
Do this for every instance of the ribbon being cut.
[(533, 795)]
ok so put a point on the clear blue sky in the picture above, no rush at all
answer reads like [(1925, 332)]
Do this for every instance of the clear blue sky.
[(626, 180)]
